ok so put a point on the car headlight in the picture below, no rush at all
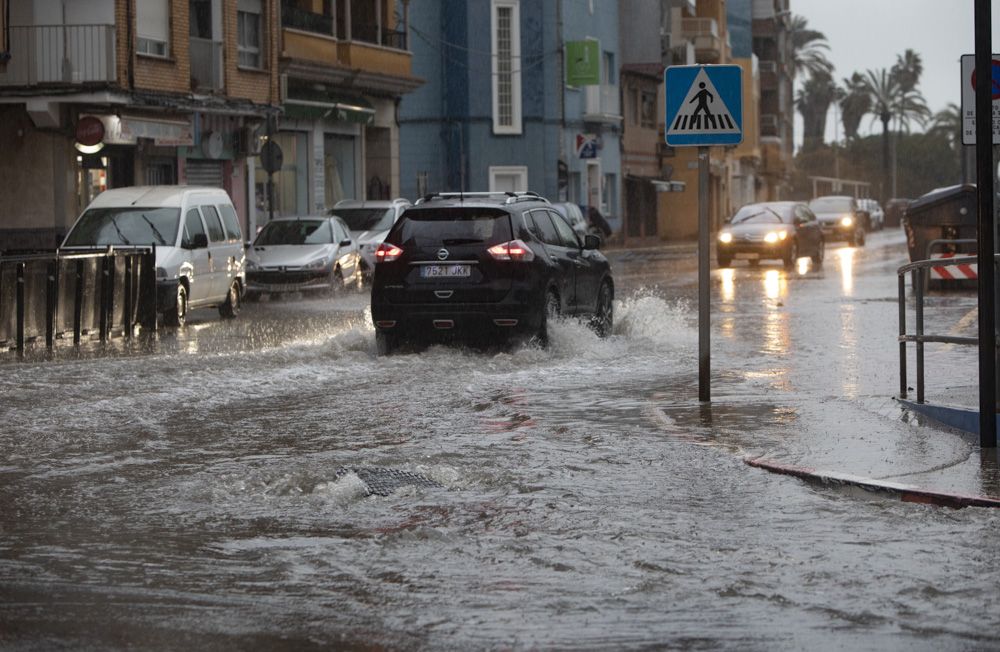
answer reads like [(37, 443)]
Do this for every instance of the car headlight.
[(775, 236), (725, 237), (846, 220), (319, 263)]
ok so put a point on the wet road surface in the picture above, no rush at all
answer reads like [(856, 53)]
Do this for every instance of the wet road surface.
[(199, 491)]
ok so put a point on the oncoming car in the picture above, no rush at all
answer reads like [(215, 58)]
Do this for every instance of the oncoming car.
[(486, 266), (295, 254), (783, 230), (840, 218)]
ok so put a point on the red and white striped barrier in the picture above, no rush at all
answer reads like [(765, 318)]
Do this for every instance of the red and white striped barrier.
[(954, 272)]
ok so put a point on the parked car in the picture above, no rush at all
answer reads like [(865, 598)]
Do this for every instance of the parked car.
[(840, 218), (571, 213), (369, 222), (296, 254), (785, 230), (199, 245), (876, 216), (486, 265)]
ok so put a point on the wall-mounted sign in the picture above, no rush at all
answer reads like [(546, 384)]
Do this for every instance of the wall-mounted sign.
[(586, 146), (89, 131), (583, 63)]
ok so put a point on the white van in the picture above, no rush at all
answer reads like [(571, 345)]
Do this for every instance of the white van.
[(199, 245)]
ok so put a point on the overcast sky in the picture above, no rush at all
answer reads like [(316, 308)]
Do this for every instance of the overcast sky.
[(867, 34)]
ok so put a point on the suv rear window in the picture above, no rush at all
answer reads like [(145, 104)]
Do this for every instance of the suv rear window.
[(429, 227)]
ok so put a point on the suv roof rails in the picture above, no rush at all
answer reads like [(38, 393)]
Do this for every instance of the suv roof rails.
[(511, 197)]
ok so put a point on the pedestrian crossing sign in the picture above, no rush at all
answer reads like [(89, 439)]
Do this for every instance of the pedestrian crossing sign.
[(704, 105)]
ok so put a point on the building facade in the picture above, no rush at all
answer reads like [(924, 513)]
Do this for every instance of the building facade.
[(772, 44), (345, 66), (97, 94), (497, 112)]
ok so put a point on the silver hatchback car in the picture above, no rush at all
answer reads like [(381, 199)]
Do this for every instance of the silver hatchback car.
[(369, 222)]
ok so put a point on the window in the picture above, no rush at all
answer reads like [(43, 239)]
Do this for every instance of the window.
[(608, 73), (248, 39), (231, 222), (506, 51), (566, 234), (544, 229), (648, 110), (508, 178), (192, 227), (213, 223), (152, 20)]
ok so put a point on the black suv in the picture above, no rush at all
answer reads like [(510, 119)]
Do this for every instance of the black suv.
[(485, 266)]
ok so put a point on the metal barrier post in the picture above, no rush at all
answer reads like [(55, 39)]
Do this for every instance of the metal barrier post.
[(129, 260), (78, 303), (19, 310), (104, 299), (51, 302), (918, 283), (147, 291), (902, 332)]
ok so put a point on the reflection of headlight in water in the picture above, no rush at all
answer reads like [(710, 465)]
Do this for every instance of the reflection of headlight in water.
[(803, 266), (772, 284), (846, 256), (728, 275)]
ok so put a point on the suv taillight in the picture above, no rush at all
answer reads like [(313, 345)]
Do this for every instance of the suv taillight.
[(514, 250), (386, 253)]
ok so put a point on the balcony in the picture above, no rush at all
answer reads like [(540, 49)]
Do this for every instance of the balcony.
[(307, 21), (206, 65), (602, 104), (769, 125), (60, 55), (704, 34)]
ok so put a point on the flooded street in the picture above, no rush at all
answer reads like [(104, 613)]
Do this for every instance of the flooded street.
[(212, 489)]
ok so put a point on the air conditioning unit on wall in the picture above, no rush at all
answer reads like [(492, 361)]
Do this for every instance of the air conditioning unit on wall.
[(246, 142)]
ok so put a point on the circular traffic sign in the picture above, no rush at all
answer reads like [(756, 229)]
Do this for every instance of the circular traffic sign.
[(271, 156), (996, 79)]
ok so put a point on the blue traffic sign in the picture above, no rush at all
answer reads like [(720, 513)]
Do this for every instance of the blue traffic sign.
[(704, 105)]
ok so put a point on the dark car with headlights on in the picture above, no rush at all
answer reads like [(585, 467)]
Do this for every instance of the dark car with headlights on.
[(841, 218), (488, 267), (784, 230), (299, 254)]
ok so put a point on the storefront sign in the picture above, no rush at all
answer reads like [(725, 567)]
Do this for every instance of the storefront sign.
[(89, 131), (126, 130)]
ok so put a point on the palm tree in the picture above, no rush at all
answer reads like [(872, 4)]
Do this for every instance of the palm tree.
[(907, 70), (882, 89), (948, 122), (855, 103), (809, 49), (813, 102)]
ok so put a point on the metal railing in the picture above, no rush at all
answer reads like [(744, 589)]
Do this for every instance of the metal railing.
[(55, 295), (919, 271), (307, 21), (60, 54)]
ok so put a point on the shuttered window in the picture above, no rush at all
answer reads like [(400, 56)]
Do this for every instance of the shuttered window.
[(152, 26)]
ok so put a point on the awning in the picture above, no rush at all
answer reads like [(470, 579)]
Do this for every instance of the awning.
[(314, 101)]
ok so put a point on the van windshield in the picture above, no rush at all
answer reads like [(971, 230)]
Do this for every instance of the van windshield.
[(100, 227), (365, 219)]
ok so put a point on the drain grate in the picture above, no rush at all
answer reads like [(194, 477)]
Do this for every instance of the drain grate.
[(380, 481)]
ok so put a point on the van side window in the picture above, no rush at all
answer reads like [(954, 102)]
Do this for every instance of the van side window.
[(214, 224), (231, 222), (192, 227)]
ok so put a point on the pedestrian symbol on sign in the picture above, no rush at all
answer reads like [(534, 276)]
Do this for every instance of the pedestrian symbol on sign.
[(703, 111)]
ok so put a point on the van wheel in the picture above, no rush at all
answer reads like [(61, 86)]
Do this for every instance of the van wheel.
[(604, 316), (177, 315), (233, 303)]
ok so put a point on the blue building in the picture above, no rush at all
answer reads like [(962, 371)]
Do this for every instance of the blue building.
[(496, 113)]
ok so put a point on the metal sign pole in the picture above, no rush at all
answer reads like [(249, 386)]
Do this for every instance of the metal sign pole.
[(704, 289), (984, 185)]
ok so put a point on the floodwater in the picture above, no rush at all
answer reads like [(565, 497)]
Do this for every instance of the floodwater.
[(209, 489)]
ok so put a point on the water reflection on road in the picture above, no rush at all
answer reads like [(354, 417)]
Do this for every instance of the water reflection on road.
[(193, 492)]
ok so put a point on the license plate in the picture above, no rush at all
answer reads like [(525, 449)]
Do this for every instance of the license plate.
[(445, 271)]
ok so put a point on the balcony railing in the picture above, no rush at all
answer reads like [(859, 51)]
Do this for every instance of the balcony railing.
[(372, 34), (601, 103), (306, 21), (704, 33), (206, 65), (60, 54)]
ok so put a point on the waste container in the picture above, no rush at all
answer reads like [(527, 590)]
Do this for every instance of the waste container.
[(943, 224), (895, 210)]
